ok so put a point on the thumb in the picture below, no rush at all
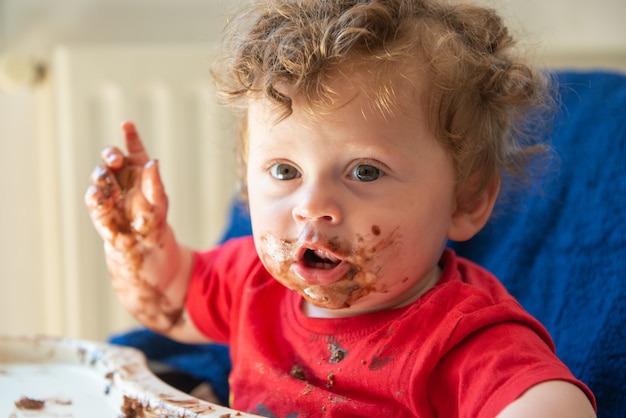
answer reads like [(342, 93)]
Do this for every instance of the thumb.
[(152, 185)]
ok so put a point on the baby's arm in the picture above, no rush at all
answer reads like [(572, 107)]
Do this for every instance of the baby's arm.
[(551, 399), (149, 270)]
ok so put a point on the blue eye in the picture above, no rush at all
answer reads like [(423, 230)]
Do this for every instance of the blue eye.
[(366, 172), (284, 171)]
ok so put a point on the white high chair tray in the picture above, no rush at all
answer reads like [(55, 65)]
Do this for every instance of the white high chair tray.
[(55, 377)]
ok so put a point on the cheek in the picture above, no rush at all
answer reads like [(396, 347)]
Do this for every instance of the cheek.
[(269, 202), (377, 257), (277, 254), (265, 216)]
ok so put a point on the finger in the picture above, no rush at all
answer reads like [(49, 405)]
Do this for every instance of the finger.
[(103, 177), (113, 157), (137, 154), (104, 189), (102, 212), (152, 186), (98, 200)]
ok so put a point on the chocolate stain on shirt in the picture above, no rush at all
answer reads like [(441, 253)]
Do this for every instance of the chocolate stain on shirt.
[(337, 354), (378, 363), (298, 372)]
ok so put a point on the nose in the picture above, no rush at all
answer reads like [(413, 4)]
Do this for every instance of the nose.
[(317, 203)]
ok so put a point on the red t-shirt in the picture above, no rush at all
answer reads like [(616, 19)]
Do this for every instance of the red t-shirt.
[(464, 349)]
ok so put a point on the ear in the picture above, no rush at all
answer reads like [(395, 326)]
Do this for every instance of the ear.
[(468, 220)]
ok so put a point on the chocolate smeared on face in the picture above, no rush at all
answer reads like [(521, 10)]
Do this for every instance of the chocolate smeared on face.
[(359, 259)]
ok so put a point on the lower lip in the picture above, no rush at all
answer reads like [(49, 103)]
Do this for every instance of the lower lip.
[(313, 276)]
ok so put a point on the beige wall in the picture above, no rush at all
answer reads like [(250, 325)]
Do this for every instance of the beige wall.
[(570, 33), (566, 32), (564, 25)]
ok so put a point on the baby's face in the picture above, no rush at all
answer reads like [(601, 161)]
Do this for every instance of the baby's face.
[(352, 209)]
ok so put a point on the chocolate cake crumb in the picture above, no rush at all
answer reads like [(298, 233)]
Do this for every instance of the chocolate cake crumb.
[(337, 354), (132, 408), (29, 403), (330, 380)]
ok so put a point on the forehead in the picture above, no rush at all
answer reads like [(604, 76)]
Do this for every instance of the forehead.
[(380, 91), (353, 122)]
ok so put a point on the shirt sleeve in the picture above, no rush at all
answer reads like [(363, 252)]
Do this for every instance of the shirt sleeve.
[(494, 366), (217, 275)]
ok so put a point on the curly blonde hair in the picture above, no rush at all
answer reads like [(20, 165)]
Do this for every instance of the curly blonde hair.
[(479, 95)]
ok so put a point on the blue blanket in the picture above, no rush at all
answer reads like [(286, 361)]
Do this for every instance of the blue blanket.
[(559, 247)]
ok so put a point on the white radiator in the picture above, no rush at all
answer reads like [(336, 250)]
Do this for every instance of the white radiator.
[(166, 90)]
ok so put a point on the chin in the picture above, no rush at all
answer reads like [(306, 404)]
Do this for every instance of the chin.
[(335, 297)]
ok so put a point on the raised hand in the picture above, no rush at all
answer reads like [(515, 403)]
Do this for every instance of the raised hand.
[(126, 199), (128, 206)]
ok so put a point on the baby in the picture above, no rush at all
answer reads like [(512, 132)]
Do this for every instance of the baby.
[(371, 133)]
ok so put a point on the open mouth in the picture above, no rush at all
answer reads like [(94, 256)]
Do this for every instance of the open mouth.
[(316, 263), (319, 259), (317, 266)]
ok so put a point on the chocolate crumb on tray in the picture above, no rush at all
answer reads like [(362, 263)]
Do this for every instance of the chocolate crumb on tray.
[(131, 408), (29, 403)]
